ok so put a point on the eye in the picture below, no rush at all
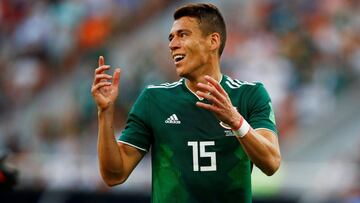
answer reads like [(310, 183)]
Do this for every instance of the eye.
[(183, 34)]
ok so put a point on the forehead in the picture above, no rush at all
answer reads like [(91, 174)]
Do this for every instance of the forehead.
[(185, 23)]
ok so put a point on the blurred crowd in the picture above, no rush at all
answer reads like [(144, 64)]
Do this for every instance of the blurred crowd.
[(305, 52), (42, 46)]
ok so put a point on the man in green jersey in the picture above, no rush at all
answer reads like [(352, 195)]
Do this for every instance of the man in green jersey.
[(205, 131)]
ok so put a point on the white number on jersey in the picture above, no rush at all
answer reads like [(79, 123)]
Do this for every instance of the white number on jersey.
[(203, 153)]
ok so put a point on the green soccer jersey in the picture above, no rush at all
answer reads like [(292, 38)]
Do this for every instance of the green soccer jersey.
[(194, 158)]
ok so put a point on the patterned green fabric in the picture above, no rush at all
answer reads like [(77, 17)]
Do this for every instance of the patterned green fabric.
[(194, 158)]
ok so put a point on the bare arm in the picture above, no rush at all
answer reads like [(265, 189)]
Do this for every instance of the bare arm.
[(261, 146), (116, 160)]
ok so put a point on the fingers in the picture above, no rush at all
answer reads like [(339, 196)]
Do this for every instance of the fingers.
[(99, 85), (99, 72), (212, 90), (102, 77), (101, 69), (210, 98), (208, 107), (215, 83), (101, 61), (214, 93)]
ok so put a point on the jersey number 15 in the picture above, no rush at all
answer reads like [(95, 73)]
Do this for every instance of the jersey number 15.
[(203, 154)]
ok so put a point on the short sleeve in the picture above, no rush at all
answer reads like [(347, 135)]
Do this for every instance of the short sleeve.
[(137, 132), (261, 113)]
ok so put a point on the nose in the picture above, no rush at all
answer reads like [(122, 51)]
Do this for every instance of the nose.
[(174, 44)]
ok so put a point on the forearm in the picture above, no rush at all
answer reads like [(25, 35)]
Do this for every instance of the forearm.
[(262, 152), (109, 155)]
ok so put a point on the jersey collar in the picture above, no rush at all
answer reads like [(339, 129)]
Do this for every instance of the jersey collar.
[(193, 93)]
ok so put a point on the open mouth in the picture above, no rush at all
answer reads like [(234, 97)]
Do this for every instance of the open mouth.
[(178, 57)]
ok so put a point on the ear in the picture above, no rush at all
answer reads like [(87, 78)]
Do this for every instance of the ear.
[(215, 41)]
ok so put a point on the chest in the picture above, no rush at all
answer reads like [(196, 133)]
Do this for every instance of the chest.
[(180, 121)]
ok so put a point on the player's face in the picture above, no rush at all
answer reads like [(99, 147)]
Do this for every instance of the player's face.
[(189, 48)]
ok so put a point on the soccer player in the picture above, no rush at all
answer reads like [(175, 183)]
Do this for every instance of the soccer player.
[(205, 131)]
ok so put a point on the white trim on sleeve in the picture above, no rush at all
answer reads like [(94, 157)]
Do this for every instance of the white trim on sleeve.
[(266, 129), (133, 145)]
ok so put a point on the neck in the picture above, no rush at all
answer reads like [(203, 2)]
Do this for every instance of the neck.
[(212, 71)]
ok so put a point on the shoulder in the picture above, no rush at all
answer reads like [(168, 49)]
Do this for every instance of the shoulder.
[(252, 91), (163, 87), (155, 93), (166, 85), (235, 83)]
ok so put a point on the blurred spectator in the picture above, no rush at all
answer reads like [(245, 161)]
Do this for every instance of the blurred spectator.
[(8, 175)]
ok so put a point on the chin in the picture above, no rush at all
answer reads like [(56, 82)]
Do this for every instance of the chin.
[(184, 71), (180, 72)]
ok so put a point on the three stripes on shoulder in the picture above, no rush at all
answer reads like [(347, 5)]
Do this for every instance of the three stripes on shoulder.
[(233, 84), (166, 85)]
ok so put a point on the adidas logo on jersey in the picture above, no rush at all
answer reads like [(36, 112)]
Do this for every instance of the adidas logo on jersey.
[(173, 119)]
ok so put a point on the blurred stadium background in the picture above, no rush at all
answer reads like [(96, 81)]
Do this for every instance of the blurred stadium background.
[(306, 52)]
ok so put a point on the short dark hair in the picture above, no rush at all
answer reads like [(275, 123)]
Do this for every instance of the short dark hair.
[(209, 17)]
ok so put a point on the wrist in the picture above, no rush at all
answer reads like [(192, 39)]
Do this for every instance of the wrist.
[(242, 128), (105, 111), (236, 122)]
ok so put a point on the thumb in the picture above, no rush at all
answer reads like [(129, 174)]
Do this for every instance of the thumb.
[(116, 77)]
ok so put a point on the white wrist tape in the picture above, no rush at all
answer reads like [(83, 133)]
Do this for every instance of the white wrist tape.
[(243, 130)]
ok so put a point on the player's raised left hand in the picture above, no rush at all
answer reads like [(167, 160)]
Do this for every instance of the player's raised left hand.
[(220, 105), (103, 91)]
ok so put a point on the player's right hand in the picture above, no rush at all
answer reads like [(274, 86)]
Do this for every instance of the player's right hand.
[(105, 87)]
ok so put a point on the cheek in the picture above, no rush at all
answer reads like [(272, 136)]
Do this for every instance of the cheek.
[(198, 50)]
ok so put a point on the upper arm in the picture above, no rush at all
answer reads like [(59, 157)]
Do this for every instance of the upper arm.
[(270, 136), (265, 153), (131, 156), (262, 119), (138, 128), (260, 111), (136, 139)]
